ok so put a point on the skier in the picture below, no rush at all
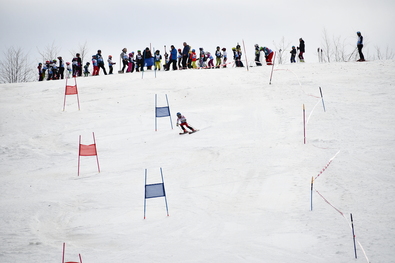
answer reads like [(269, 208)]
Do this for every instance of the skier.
[(40, 72), (268, 55), (360, 46), (77, 65), (61, 67), (54, 69), (157, 59), (218, 57), (148, 59), (237, 56), (225, 55), (301, 50), (210, 60), (131, 63), (182, 121), (95, 66), (139, 61), (124, 59), (100, 62), (69, 70), (86, 69), (173, 59), (185, 54), (257, 55), (179, 58), (110, 64), (202, 58), (293, 54), (193, 58)]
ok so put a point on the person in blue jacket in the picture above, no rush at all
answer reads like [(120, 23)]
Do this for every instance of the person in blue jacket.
[(173, 58)]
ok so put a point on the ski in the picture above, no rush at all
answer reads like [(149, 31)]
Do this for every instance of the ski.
[(182, 133), (193, 131)]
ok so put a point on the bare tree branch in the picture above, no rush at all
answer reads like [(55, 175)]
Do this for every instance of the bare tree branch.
[(15, 67)]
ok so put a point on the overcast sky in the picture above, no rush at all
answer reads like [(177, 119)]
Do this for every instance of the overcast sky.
[(114, 24)]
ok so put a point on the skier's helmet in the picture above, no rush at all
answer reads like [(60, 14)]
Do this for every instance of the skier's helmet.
[(178, 113)]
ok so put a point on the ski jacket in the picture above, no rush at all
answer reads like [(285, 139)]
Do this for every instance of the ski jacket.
[(158, 57), (99, 58), (267, 51), (76, 61), (94, 62), (360, 40), (181, 119), (110, 63), (124, 56), (193, 56), (301, 46), (139, 58), (61, 63), (173, 54), (185, 51), (218, 54)]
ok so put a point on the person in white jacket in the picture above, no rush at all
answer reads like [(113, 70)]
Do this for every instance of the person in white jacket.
[(182, 121)]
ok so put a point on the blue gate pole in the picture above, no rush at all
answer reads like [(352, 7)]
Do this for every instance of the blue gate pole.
[(171, 122), (163, 182), (145, 185), (155, 112)]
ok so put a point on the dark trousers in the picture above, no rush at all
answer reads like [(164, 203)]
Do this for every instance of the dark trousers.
[(101, 65), (184, 61), (61, 73), (257, 57), (125, 64), (361, 57), (174, 64)]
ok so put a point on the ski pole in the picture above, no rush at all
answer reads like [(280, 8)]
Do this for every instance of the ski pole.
[(245, 54), (271, 74), (352, 54)]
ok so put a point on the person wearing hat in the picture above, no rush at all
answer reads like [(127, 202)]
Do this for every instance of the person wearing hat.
[(77, 65), (257, 55), (40, 72), (173, 58), (139, 61), (293, 54), (100, 62), (124, 59), (193, 58), (360, 46), (218, 57), (61, 67), (225, 56), (110, 64), (301, 50)]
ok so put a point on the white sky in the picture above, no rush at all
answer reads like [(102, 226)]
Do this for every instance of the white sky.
[(113, 25)]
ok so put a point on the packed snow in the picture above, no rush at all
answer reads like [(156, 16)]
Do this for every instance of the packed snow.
[(239, 190)]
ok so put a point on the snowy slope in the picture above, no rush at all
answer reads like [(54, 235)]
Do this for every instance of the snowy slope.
[(238, 190)]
